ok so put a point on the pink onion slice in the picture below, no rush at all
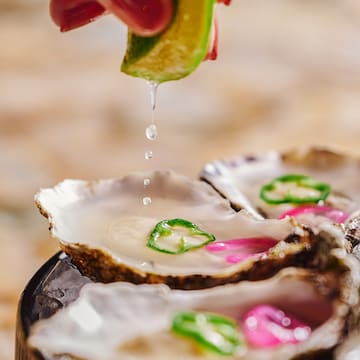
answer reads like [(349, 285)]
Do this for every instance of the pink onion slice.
[(266, 326), (336, 215), (237, 250)]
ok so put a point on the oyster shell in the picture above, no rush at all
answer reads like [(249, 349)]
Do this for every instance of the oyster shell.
[(127, 321), (350, 350), (240, 179), (352, 229), (104, 227)]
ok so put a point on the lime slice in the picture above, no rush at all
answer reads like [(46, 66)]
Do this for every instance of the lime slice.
[(177, 51)]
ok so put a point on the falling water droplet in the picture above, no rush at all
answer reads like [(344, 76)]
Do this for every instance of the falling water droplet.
[(153, 91), (148, 155), (151, 132)]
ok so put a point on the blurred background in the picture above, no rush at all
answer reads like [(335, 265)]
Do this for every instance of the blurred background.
[(288, 75)]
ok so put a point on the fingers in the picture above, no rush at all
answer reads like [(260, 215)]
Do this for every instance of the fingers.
[(71, 14), (143, 17)]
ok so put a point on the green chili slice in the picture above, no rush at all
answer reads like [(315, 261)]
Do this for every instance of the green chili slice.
[(177, 236), (313, 190), (213, 332)]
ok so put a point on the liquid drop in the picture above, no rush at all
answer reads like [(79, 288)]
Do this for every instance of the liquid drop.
[(153, 91), (148, 155), (151, 132), (147, 201)]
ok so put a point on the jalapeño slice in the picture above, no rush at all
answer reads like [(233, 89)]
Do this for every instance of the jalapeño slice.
[(177, 236), (300, 189), (212, 332)]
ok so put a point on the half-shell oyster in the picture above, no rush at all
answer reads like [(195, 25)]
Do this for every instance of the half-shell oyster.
[(127, 321), (104, 227), (241, 178)]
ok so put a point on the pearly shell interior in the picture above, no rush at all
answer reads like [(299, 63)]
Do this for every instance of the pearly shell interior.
[(109, 215), (134, 321), (240, 179)]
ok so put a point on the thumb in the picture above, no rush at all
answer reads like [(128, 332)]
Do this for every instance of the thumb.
[(143, 17)]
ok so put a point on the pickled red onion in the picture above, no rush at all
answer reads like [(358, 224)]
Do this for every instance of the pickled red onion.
[(237, 250), (333, 214), (266, 326)]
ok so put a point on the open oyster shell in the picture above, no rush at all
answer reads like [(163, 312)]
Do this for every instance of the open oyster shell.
[(127, 321), (241, 178), (104, 227)]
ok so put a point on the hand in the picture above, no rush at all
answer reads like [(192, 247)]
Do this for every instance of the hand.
[(143, 17)]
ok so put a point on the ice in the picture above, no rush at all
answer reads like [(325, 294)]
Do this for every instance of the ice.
[(59, 288)]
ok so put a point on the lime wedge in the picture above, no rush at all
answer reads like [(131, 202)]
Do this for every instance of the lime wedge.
[(177, 51)]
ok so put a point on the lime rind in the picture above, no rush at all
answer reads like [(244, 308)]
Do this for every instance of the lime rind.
[(140, 46), (177, 51)]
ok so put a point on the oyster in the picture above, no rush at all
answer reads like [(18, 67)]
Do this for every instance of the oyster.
[(191, 238), (350, 350), (104, 227), (241, 179), (127, 321)]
